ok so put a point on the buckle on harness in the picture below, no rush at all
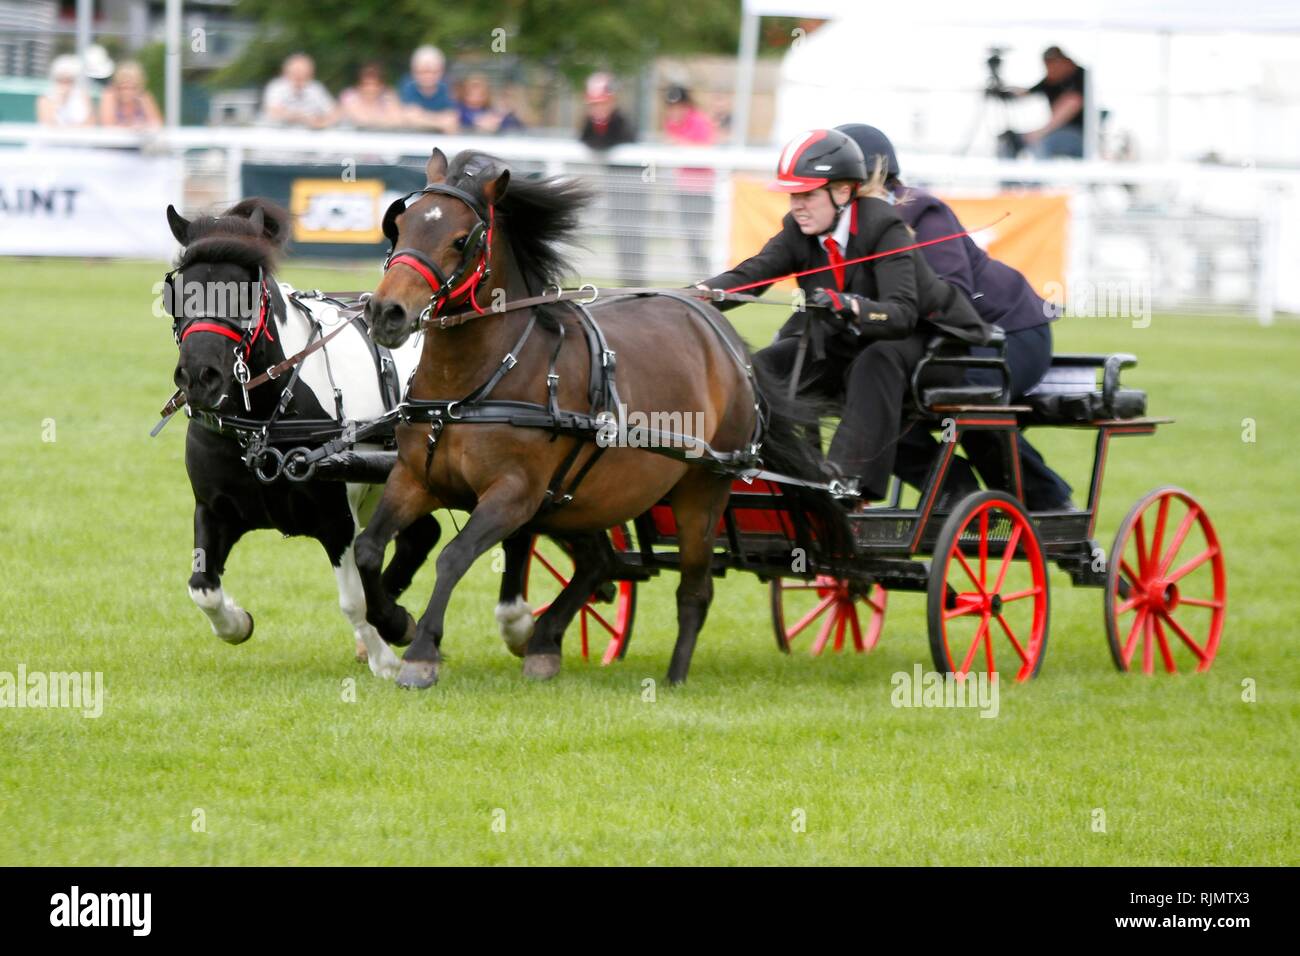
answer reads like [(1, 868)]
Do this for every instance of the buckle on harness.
[(607, 358), (509, 361)]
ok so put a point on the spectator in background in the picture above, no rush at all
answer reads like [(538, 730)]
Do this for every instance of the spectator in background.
[(126, 102), (296, 98), (687, 125), (372, 103), (605, 128), (1064, 88), (66, 104), (476, 112), (426, 101)]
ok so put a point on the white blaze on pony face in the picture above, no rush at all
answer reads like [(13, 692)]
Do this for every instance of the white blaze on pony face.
[(434, 213)]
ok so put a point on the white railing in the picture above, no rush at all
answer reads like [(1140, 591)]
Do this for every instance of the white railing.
[(1170, 223)]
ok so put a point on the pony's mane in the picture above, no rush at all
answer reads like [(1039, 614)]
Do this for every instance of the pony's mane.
[(231, 237), (540, 217)]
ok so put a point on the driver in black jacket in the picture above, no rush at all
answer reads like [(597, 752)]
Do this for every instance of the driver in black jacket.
[(871, 320)]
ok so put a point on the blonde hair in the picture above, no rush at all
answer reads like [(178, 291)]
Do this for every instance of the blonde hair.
[(130, 69), (875, 187)]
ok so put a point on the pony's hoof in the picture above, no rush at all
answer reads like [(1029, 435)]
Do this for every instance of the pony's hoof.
[(541, 666), (418, 675), (361, 655), (240, 636)]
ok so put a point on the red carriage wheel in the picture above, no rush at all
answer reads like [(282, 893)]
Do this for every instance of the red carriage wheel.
[(1166, 590), (833, 605), (610, 611), (988, 594)]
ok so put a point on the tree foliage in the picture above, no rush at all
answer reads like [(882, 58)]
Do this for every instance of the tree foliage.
[(572, 36)]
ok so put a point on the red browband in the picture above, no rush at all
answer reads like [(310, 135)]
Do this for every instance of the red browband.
[(211, 327), (470, 282)]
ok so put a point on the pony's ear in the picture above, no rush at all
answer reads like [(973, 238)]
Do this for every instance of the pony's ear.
[(494, 190), (180, 226), (436, 170), (257, 219)]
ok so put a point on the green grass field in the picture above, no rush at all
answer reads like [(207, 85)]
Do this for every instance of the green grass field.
[(95, 538)]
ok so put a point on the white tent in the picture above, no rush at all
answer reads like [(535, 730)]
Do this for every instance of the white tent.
[(1184, 76)]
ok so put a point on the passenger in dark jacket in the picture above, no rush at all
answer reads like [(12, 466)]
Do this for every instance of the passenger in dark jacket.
[(872, 319), (1003, 297)]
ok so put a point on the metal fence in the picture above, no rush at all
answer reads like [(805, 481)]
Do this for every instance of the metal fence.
[(656, 220)]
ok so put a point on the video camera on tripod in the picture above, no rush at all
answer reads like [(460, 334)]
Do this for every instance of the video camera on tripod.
[(993, 85)]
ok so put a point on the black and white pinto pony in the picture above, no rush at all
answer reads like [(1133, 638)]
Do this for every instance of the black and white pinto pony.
[(240, 248)]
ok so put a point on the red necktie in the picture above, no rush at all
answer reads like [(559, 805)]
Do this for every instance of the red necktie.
[(837, 262)]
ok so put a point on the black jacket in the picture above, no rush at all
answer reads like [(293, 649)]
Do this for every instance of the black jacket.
[(906, 296), (1000, 294)]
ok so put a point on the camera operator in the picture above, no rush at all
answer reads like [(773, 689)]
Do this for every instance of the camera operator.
[(1063, 85)]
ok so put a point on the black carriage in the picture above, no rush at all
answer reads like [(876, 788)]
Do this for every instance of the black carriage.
[(982, 561)]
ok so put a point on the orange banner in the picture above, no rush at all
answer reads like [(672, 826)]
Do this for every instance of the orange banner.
[(1031, 239)]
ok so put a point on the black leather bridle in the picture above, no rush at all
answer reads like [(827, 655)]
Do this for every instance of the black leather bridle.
[(476, 250)]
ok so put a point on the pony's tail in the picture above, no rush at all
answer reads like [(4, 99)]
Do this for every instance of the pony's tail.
[(791, 447)]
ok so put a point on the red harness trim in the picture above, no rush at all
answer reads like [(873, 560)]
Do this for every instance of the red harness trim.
[(231, 333), (418, 266), (212, 327), (469, 284)]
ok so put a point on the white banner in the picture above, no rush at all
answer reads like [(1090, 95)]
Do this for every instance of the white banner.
[(86, 202)]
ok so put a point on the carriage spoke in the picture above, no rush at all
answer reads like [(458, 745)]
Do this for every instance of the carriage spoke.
[(1125, 569), (969, 573), (1148, 652), (984, 547), (1199, 602), (1139, 536), (841, 625), (603, 623), (965, 605), (824, 632), (539, 611), (550, 567), (1182, 632), (970, 655), (856, 628), (1179, 537), (1007, 555), (1126, 606), (1164, 645), (1130, 643), (877, 604), (793, 632), (1162, 513), (1012, 638), (1193, 564), (1017, 595)]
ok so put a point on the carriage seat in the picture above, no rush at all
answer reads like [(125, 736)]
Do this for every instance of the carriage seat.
[(943, 351), (1070, 394)]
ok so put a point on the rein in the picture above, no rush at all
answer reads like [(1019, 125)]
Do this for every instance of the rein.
[(734, 294)]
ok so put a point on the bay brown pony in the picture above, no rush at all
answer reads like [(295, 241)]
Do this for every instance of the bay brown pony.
[(670, 358)]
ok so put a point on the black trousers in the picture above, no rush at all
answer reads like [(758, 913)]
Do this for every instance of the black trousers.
[(1029, 354), (872, 383)]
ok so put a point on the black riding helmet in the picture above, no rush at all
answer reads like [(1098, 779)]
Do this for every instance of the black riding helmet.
[(873, 143), (817, 158)]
